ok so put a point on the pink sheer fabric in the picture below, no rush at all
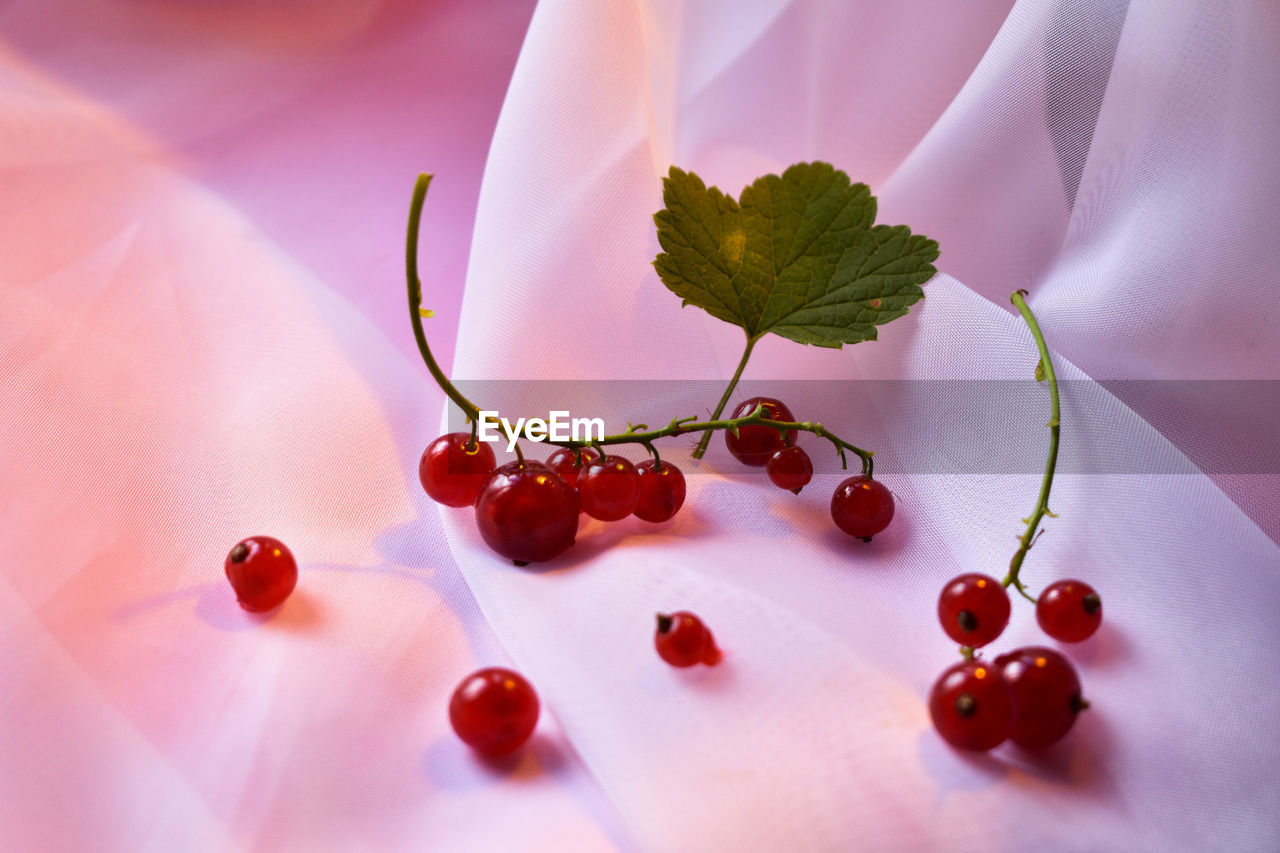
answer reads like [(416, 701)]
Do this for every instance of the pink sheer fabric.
[(204, 338)]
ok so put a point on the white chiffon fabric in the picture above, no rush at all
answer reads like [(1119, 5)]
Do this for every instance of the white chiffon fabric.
[(204, 339)]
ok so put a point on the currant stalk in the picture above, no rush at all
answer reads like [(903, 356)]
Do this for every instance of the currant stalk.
[(701, 449), (1045, 369), (638, 434)]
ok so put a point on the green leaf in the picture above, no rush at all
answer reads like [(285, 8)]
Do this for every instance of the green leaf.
[(797, 256)]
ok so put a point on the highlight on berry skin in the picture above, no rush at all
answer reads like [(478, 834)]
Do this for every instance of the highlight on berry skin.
[(862, 507), (972, 707), (1070, 611), (973, 609), (494, 711), (1046, 695), (454, 467), (262, 573), (527, 513), (682, 640)]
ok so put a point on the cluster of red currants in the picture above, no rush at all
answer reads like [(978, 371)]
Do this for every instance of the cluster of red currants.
[(527, 511), (1030, 695)]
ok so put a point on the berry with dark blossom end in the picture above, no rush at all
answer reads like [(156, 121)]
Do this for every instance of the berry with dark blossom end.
[(262, 572), (527, 513), (790, 468), (454, 467), (1069, 611), (973, 609), (609, 488), (661, 491), (972, 706), (494, 711), (1046, 695), (754, 444), (682, 640), (862, 507)]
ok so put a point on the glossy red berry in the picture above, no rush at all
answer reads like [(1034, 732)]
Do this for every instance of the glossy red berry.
[(972, 706), (262, 572), (564, 463), (453, 468), (682, 640), (527, 513), (609, 488), (494, 710), (862, 507), (973, 609), (661, 491), (754, 444), (1069, 611), (790, 468), (1046, 695)]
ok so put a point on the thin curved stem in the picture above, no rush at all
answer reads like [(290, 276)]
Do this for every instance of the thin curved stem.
[(682, 426), (638, 434), (701, 449), (1042, 502), (415, 301)]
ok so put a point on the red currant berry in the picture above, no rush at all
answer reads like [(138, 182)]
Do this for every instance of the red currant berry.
[(862, 507), (754, 444), (494, 710), (564, 462), (682, 640), (1069, 611), (609, 488), (790, 468), (1046, 695), (973, 609), (262, 571), (661, 491), (453, 468), (972, 706), (527, 513)]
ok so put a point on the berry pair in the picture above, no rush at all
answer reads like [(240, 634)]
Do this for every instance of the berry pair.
[(611, 488), (860, 506), (974, 610), (1030, 696), (495, 710)]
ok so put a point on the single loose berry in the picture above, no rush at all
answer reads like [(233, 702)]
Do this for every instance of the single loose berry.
[(754, 444), (790, 468), (609, 488), (972, 706), (454, 467), (527, 513), (565, 463), (661, 491), (1069, 611), (862, 507), (1046, 695), (973, 609), (682, 640), (262, 572), (494, 710)]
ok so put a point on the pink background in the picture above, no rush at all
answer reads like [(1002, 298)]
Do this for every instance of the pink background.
[(201, 243)]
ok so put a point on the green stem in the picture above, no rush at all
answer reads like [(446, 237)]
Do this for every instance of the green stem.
[(682, 426), (1042, 502), (646, 437), (724, 398), (415, 301)]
